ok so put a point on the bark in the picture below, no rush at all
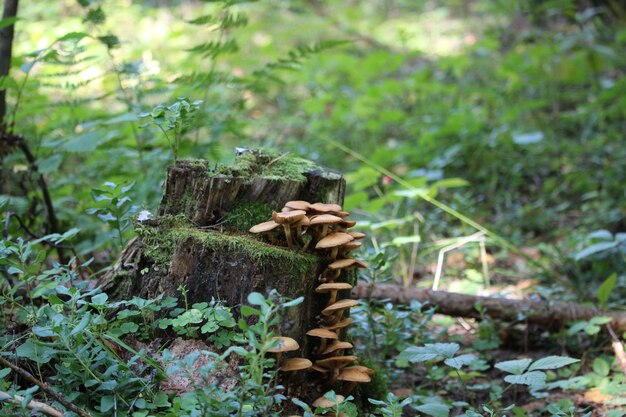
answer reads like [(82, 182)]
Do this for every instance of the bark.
[(544, 313), (6, 52), (195, 243)]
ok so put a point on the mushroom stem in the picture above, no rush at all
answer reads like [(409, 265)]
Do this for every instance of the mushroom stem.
[(287, 229), (333, 297), (322, 347), (333, 253), (348, 388)]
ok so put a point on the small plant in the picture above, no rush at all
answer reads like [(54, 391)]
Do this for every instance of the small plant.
[(199, 318), (173, 121), (114, 207)]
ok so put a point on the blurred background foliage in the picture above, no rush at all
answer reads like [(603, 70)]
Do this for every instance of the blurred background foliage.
[(511, 112)]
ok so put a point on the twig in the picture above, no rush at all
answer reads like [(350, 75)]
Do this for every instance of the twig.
[(58, 397), (33, 405), (461, 242), (53, 224), (618, 349)]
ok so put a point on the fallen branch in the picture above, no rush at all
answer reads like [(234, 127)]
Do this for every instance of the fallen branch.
[(33, 405), (618, 349), (546, 314), (58, 397)]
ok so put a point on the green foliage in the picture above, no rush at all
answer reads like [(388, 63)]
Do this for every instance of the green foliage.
[(173, 120), (509, 112)]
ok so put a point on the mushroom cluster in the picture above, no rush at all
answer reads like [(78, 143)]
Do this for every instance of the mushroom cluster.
[(325, 228)]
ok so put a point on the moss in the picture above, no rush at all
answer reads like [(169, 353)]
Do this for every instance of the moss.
[(271, 165), (160, 244), (377, 389), (245, 215)]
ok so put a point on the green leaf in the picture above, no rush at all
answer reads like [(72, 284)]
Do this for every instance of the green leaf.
[(606, 288), (248, 311), (82, 324), (595, 248), (403, 240), (461, 360), (294, 302), (527, 138), (516, 367), (450, 183), (73, 36), (8, 21), (4, 372), (599, 320), (435, 410), (100, 299), (428, 352), (129, 327), (255, 298), (532, 379), (552, 362), (50, 164), (601, 367)]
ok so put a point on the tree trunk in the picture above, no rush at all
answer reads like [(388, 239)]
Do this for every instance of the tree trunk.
[(546, 314), (200, 242)]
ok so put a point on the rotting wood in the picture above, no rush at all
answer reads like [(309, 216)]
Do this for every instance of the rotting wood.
[(546, 314), (200, 241)]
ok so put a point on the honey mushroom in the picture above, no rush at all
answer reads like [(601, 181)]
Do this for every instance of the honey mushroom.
[(337, 345), (295, 364), (287, 219), (337, 266), (285, 344), (333, 288), (354, 374), (333, 241), (324, 335), (327, 228), (335, 364), (324, 220)]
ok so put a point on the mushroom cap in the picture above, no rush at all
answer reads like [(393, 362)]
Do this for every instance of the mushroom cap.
[(339, 305), (361, 264), (336, 361), (333, 239), (324, 402), (351, 245), (363, 369), (333, 286), (343, 214), (347, 223), (325, 219), (341, 263), (319, 369), (325, 208), (298, 205), (336, 345), (353, 375), (357, 235), (264, 227), (288, 217), (285, 344), (304, 221), (340, 324), (295, 364), (324, 333)]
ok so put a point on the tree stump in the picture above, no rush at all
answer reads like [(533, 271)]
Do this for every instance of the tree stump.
[(200, 242)]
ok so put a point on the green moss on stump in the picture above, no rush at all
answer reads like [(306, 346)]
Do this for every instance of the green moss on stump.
[(245, 215), (161, 242), (270, 165)]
